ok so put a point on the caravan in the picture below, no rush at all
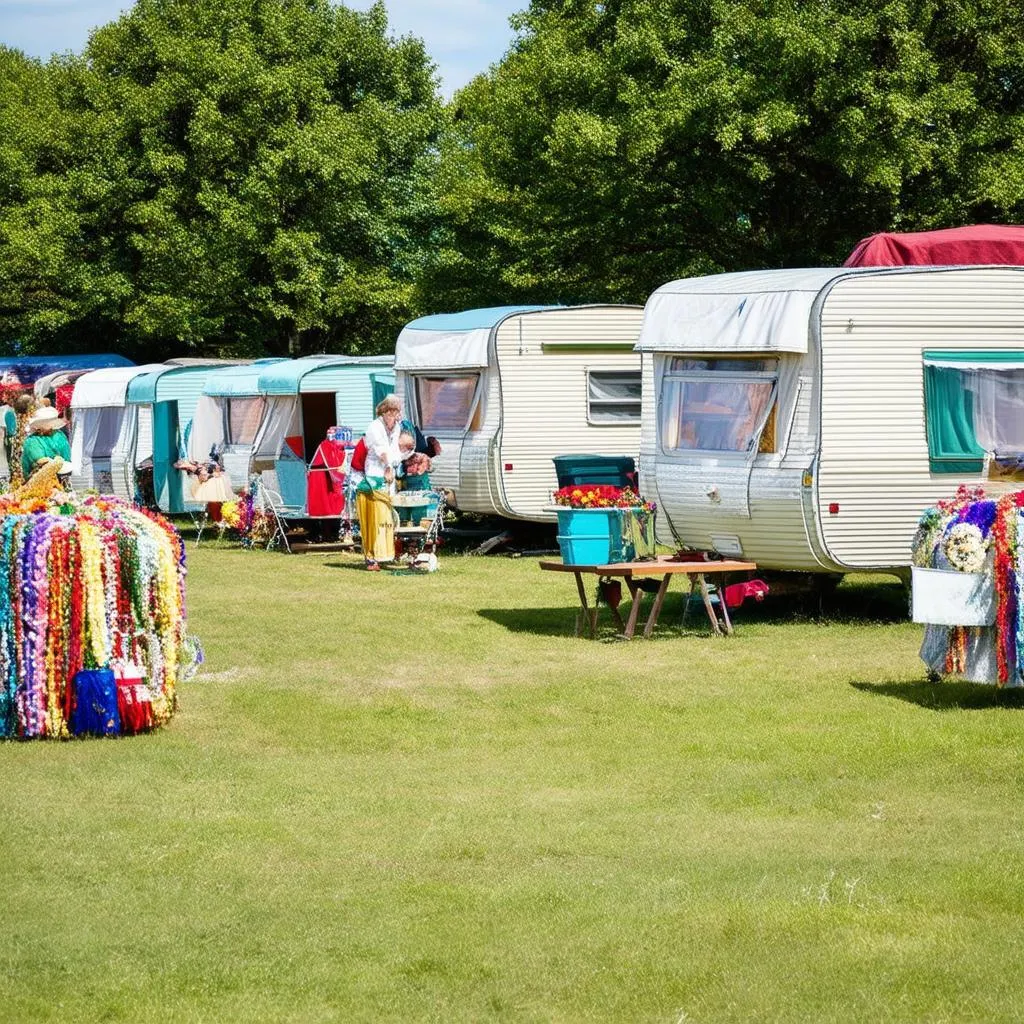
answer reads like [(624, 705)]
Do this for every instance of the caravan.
[(304, 398), (227, 418), (803, 419), (98, 409), (506, 389), (155, 432)]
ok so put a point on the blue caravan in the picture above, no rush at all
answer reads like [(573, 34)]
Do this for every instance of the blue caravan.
[(304, 397), (161, 405)]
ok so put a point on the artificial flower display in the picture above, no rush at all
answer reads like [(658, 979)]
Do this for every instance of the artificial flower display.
[(601, 496), (971, 533), (86, 584)]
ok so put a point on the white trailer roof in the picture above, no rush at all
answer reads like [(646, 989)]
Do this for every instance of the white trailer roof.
[(108, 386), (752, 311), (452, 341)]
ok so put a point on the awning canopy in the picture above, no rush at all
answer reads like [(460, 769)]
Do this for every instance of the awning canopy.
[(150, 388), (752, 311), (453, 341), (237, 381), (286, 377), (107, 387)]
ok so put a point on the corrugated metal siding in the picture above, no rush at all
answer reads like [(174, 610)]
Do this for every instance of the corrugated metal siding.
[(544, 398), (874, 460)]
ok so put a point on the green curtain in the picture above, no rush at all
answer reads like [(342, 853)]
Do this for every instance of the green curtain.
[(949, 423)]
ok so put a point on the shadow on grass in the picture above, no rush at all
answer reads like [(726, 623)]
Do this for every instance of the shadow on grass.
[(869, 601), (562, 622), (947, 696)]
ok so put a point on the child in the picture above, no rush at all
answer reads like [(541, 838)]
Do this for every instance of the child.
[(415, 468)]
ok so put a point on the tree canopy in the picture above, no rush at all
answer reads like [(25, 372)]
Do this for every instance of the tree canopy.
[(628, 142), (251, 171), (271, 176)]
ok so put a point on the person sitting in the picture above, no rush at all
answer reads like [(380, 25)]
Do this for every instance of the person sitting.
[(45, 441)]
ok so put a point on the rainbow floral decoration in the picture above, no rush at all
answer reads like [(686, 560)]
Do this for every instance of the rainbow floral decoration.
[(85, 583), (974, 534)]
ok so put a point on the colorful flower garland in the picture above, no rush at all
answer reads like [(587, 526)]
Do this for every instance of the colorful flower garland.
[(84, 583), (962, 532)]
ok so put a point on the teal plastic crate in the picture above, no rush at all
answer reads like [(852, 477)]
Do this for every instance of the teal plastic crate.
[(604, 536), (611, 470)]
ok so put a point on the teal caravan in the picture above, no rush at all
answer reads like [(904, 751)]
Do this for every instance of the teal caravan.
[(227, 417), (158, 423), (302, 399), (507, 389), (98, 410)]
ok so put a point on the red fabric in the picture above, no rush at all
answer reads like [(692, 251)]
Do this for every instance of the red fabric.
[(359, 457), (133, 702), (63, 398), (295, 443), (737, 593), (325, 481), (970, 246)]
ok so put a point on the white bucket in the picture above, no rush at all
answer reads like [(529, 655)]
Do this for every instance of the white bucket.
[(942, 597)]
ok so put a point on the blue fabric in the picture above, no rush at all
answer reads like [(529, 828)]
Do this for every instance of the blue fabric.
[(95, 712), (291, 481), (469, 319)]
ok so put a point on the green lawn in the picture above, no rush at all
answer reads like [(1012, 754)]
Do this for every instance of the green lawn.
[(393, 798)]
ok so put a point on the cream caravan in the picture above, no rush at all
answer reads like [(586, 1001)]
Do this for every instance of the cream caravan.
[(506, 389), (804, 419)]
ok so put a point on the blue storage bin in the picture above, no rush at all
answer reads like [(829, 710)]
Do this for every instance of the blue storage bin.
[(604, 536), (590, 536), (612, 470)]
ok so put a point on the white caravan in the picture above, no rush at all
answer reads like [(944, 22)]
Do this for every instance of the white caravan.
[(506, 389), (98, 408), (804, 419)]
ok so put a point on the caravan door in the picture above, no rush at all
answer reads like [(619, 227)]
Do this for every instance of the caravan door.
[(715, 415)]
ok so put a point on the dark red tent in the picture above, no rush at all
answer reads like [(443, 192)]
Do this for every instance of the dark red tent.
[(973, 245)]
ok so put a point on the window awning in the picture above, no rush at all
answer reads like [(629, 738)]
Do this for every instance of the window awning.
[(975, 359)]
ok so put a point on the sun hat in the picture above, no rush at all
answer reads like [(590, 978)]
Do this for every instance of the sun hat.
[(45, 417)]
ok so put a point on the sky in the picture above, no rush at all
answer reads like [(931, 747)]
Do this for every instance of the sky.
[(462, 37)]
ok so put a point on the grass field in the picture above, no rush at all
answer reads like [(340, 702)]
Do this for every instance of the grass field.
[(392, 798)]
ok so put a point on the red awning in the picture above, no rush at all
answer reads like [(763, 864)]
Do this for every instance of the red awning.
[(968, 246)]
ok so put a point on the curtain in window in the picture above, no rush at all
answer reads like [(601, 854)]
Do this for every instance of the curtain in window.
[(244, 415), (445, 403), (952, 443)]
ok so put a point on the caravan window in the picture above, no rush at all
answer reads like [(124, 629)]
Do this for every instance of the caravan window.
[(974, 404), (613, 396), (446, 403), (242, 420), (718, 405), (104, 426)]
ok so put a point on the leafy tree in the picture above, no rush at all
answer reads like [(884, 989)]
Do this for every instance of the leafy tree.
[(51, 284), (250, 176), (624, 143)]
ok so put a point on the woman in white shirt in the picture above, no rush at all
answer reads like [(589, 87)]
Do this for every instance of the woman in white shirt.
[(377, 484)]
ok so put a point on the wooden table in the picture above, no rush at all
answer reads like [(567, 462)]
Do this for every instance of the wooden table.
[(634, 572)]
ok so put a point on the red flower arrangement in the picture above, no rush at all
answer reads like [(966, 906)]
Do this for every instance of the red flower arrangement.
[(601, 496)]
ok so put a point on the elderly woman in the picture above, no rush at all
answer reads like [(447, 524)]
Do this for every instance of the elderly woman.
[(376, 483), (45, 441)]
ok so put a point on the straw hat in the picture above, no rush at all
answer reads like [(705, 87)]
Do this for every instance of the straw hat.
[(44, 420)]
